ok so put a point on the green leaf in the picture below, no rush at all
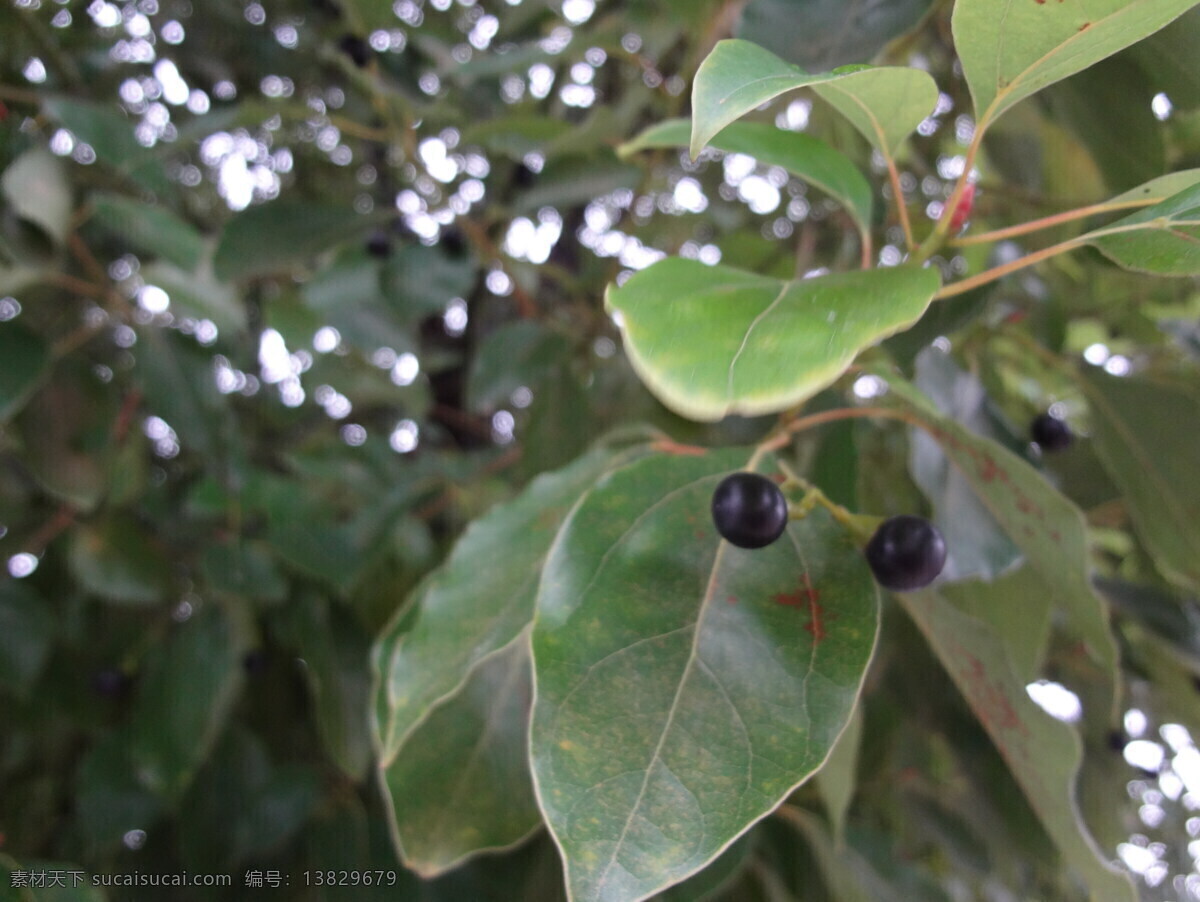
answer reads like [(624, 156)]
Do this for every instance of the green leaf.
[(1043, 754), (477, 602), (1159, 189), (198, 295), (1136, 432), (348, 295), (177, 379), (460, 781), (1163, 239), (186, 691), (822, 34), (336, 652), (118, 561), (576, 180), (26, 633), (26, 358), (1171, 618), (838, 777), (420, 281), (110, 134), (1011, 49), (519, 354), (980, 546), (885, 104), (243, 568), (36, 187), (803, 155), (684, 686), (281, 235), (711, 340), (1048, 528), (110, 798), (151, 229)]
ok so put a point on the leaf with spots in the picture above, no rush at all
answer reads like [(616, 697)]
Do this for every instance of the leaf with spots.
[(885, 103), (1163, 239), (1136, 431), (461, 780), (1011, 49), (1047, 528), (477, 602), (1043, 755), (683, 686), (712, 340)]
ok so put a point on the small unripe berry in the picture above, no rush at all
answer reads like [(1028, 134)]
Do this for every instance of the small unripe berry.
[(906, 553), (1051, 433), (749, 510)]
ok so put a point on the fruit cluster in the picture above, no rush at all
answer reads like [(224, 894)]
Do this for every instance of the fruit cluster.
[(905, 553)]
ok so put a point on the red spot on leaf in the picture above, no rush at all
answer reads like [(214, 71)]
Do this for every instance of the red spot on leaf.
[(991, 703), (700, 533), (1024, 505), (731, 599), (1055, 535), (1085, 26)]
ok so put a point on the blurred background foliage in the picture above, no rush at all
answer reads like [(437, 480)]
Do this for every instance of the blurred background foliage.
[(290, 292)]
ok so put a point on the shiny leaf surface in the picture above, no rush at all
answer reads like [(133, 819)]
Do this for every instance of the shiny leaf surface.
[(711, 340), (684, 686)]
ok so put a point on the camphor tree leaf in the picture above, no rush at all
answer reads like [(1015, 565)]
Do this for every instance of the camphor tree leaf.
[(1136, 433), (37, 188), (821, 34), (712, 340), (683, 686), (26, 358), (149, 228), (1047, 527), (187, 690), (803, 155), (886, 104), (461, 780), (1011, 49), (1163, 239), (283, 234), (1043, 755), (438, 679), (477, 602)]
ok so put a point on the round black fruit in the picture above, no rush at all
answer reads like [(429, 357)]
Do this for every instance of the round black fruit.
[(1051, 433), (749, 510), (356, 48), (379, 244), (906, 553)]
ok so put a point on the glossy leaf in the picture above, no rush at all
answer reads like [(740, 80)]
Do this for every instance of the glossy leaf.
[(119, 562), (1163, 239), (684, 686), (176, 377), (886, 104), (109, 132), (476, 603), (147, 228), (1048, 528), (980, 546), (838, 777), (187, 690), (803, 155), (1043, 754), (335, 649), (1011, 49), (822, 34), (523, 353), (1170, 617), (460, 782), (349, 296), (711, 340), (420, 281), (37, 189), (26, 635), (198, 295), (1160, 188), (281, 235), (1136, 432), (26, 358)]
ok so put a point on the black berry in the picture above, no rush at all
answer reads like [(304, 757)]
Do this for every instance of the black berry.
[(749, 510), (355, 48), (906, 553), (110, 683), (255, 662), (379, 244), (1051, 433)]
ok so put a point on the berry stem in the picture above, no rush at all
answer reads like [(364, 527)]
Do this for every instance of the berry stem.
[(901, 207), (860, 526)]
